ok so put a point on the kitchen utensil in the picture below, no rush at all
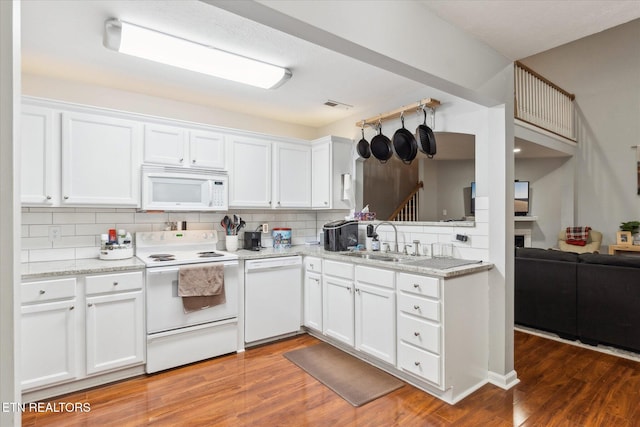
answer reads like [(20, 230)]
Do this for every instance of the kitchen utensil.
[(426, 137), (405, 144), (363, 147), (381, 147), (226, 223)]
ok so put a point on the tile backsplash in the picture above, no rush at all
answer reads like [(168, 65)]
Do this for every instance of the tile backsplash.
[(80, 228)]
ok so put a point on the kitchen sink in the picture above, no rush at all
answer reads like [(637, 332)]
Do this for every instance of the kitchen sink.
[(379, 257)]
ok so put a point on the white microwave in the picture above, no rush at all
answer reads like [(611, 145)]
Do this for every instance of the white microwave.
[(180, 189)]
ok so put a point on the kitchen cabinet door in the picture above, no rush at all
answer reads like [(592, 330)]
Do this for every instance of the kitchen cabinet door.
[(321, 175), (48, 343), (40, 148), (250, 172), (164, 145), (206, 149), (375, 321), (100, 160), (338, 310), (313, 300), (292, 175), (115, 335)]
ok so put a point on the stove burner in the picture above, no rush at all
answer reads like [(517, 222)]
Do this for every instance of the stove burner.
[(209, 254)]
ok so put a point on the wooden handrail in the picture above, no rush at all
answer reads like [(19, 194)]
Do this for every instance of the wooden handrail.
[(417, 188), (547, 81)]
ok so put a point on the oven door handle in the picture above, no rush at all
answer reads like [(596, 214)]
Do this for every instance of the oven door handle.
[(176, 268)]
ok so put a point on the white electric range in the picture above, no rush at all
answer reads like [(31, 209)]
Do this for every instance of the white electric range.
[(175, 337)]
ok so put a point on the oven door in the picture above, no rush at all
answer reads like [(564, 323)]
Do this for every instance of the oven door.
[(164, 307)]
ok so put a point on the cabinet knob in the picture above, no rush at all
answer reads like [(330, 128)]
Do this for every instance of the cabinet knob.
[(90, 305), (72, 307), (416, 363), (326, 203), (311, 265), (193, 161), (357, 290), (48, 197), (416, 307), (115, 283), (278, 203), (417, 334), (181, 160), (41, 291), (66, 197), (415, 285)]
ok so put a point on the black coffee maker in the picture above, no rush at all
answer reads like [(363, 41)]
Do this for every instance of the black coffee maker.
[(252, 240)]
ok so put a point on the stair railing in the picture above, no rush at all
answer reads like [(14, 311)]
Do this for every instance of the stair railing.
[(408, 209)]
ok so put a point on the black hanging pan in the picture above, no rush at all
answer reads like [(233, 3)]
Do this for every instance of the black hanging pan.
[(363, 147), (381, 147), (426, 137), (405, 144)]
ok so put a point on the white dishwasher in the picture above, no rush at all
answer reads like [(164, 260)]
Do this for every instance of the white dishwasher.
[(272, 305)]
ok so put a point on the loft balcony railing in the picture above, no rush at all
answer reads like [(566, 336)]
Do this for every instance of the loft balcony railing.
[(542, 103)]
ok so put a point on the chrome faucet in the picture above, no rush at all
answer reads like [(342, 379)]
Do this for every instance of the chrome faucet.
[(395, 231)]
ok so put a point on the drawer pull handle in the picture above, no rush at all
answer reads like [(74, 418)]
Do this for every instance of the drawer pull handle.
[(416, 307), (42, 291), (71, 308), (415, 285), (417, 334), (115, 283), (416, 363)]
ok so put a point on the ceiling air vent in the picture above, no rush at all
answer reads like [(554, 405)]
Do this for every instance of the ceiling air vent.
[(336, 104)]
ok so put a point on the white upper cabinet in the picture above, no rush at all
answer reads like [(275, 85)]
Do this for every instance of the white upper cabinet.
[(292, 175), (177, 146), (164, 145), (250, 172), (40, 151), (100, 160), (332, 170)]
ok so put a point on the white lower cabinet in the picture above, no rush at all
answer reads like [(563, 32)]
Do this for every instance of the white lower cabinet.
[(114, 322), (77, 327), (49, 332), (375, 313), (338, 310), (312, 293)]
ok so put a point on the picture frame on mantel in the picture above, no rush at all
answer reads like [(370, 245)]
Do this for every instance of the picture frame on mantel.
[(624, 238)]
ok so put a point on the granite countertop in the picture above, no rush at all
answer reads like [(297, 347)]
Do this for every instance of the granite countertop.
[(38, 270), (412, 264)]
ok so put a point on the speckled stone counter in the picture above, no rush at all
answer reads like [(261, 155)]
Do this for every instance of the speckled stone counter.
[(38, 270), (340, 256)]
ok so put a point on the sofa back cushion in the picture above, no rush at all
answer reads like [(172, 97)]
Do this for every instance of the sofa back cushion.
[(613, 260), (546, 254)]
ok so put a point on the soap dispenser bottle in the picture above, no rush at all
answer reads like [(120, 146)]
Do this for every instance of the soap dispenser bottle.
[(375, 243)]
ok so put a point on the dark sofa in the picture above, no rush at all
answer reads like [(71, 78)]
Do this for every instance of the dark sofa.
[(591, 297)]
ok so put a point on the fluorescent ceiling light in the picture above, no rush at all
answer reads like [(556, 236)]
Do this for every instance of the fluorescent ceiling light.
[(144, 43)]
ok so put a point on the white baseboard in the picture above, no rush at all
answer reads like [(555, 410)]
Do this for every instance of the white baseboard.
[(504, 381)]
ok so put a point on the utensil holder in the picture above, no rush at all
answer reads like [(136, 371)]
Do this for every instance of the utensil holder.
[(231, 242)]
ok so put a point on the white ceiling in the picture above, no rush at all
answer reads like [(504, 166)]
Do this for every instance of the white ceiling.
[(63, 39)]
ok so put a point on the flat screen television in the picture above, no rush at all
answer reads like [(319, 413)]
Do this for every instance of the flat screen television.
[(520, 198)]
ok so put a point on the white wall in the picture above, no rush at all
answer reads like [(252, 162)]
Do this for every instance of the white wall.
[(9, 212), (100, 96), (603, 71)]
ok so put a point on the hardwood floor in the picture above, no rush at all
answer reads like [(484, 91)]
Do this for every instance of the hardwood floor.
[(560, 385)]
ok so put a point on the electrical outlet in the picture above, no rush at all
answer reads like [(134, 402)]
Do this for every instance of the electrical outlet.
[(55, 233), (265, 228)]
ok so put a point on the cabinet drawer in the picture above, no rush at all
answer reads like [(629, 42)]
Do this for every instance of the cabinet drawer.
[(419, 362), (114, 282), (375, 276), (313, 264), (419, 332), (417, 306), (48, 290), (420, 285), (338, 269)]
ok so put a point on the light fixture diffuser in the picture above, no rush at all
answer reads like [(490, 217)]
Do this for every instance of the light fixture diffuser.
[(155, 46)]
